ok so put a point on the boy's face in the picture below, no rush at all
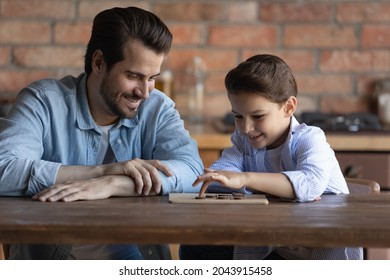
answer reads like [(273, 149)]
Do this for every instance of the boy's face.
[(265, 123)]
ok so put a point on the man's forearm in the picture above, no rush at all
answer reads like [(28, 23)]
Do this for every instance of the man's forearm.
[(121, 184), (68, 173)]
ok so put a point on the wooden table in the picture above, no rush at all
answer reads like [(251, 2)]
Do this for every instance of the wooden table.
[(336, 220)]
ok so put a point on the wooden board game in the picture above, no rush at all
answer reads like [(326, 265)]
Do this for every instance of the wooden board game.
[(220, 198)]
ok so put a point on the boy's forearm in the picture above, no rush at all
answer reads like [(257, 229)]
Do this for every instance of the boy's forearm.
[(275, 184)]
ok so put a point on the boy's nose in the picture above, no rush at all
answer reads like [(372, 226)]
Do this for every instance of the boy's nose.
[(247, 125)]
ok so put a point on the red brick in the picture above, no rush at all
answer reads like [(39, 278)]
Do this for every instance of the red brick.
[(216, 60), (375, 36), (215, 83), (319, 36), (295, 12), (187, 33), (373, 11), (5, 54), (57, 9), (241, 12), (343, 104), (89, 9), (366, 83), (217, 105), (189, 11), (217, 66), (49, 56), (299, 61), (318, 84), (12, 81), (354, 61), (367, 87), (24, 32), (305, 103), (72, 33), (336, 49), (214, 105), (242, 36)]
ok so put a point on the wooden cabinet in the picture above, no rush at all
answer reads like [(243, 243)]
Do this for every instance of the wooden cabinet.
[(368, 165), (210, 142)]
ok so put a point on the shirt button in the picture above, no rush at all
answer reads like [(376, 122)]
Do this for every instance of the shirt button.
[(119, 141), (150, 252)]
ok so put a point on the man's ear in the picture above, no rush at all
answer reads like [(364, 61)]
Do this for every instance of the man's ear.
[(290, 106), (98, 63)]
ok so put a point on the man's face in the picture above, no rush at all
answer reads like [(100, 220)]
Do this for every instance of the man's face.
[(262, 121), (129, 82)]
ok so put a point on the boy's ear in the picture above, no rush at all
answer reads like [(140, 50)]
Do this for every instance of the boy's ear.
[(290, 106)]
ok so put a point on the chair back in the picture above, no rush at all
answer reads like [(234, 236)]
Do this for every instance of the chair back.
[(362, 186), (2, 256)]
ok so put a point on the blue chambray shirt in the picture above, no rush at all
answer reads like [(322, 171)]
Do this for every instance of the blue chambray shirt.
[(51, 125), (305, 158)]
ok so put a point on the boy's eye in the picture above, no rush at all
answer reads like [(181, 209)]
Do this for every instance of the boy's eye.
[(257, 117), (237, 116)]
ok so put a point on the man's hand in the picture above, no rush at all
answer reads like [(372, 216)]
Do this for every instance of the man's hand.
[(90, 189), (142, 175), (143, 172)]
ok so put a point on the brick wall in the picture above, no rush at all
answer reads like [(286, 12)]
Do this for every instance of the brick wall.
[(337, 49)]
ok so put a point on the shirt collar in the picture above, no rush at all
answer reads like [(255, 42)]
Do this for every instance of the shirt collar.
[(294, 125)]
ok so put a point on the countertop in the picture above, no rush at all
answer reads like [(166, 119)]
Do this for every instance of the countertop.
[(209, 136)]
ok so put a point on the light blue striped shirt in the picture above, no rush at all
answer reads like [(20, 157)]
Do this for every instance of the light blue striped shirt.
[(305, 158), (312, 168)]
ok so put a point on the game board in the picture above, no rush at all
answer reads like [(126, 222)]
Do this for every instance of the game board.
[(220, 198)]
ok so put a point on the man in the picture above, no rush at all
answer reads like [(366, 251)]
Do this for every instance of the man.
[(105, 133)]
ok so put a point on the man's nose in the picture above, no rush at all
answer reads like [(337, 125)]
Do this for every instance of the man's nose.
[(143, 89)]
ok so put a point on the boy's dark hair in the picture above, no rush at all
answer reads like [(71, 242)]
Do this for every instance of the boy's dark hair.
[(263, 74), (113, 28)]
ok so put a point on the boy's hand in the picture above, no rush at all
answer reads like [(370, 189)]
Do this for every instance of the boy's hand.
[(233, 180)]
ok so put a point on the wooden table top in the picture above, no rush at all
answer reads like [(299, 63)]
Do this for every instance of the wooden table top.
[(336, 220)]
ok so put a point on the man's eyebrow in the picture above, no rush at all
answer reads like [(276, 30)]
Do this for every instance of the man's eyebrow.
[(140, 74)]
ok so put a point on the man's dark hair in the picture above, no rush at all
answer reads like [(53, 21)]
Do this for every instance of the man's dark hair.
[(113, 28), (263, 74)]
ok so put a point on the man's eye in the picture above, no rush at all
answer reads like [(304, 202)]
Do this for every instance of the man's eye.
[(237, 117), (257, 117), (132, 76)]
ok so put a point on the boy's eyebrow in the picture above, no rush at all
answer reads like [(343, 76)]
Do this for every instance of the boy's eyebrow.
[(251, 113)]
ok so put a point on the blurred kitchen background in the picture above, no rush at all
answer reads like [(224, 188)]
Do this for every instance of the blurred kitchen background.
[(338, 50)]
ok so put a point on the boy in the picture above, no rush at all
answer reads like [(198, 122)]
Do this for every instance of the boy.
[(272, 153)]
